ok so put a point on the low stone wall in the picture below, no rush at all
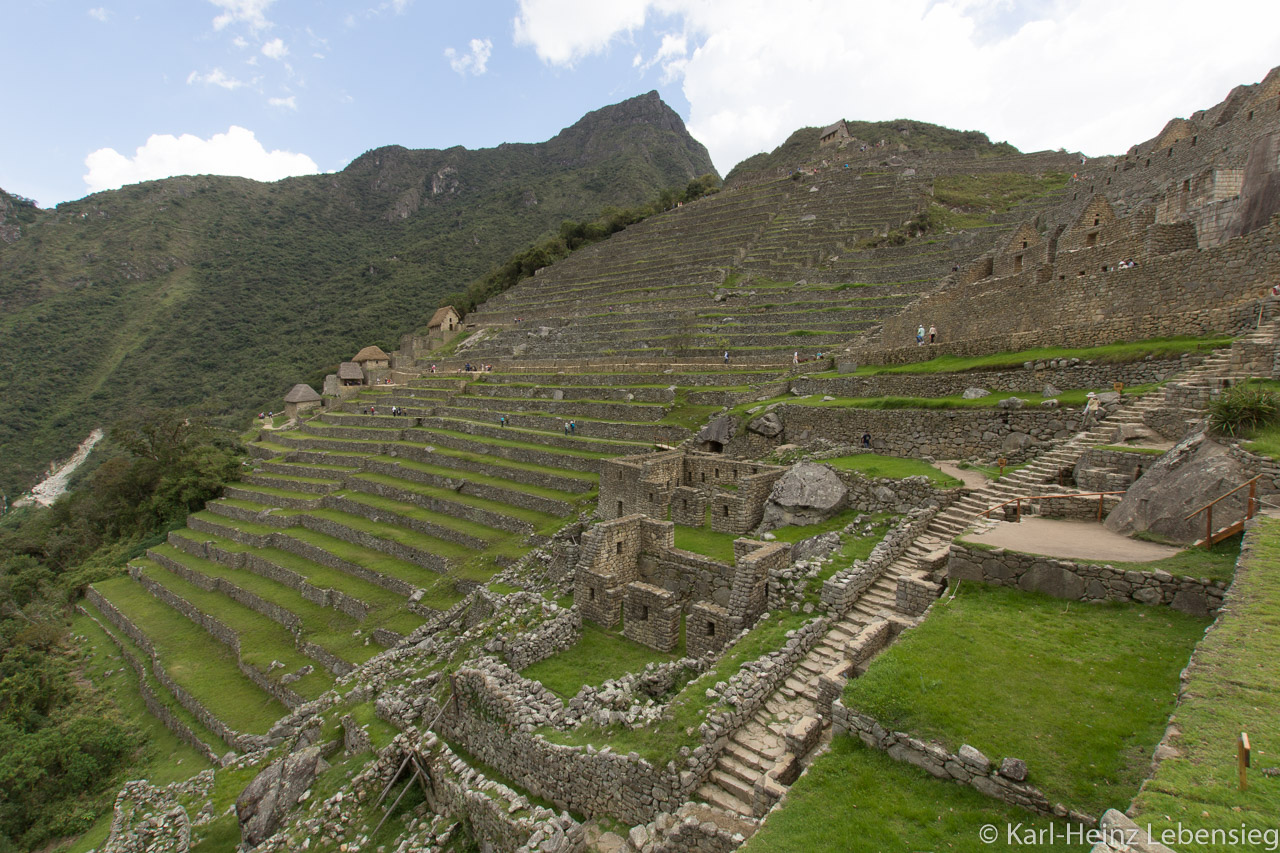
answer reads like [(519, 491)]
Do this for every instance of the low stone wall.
[(532, 478), (1104, 470), (551, 637), (515, 454), (238, 740), (841, 590), (418, 525), (455, 509), (1079, 581), (968, 767), (152, 702)]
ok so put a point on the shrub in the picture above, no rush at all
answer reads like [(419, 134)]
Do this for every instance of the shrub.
[(1244, 408)]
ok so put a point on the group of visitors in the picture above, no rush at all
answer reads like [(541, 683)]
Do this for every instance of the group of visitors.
[(472, 368), (570, 427), (921, 333)]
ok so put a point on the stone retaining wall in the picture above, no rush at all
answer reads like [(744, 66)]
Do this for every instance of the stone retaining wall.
[(1078, 581), (455, 509), (463, 486), (533, 478), (220, 632), (1029, 381), (238, 740), (940, 433), (152, 702)]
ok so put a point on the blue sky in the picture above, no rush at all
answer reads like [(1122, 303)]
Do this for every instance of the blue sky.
[(107, 92)]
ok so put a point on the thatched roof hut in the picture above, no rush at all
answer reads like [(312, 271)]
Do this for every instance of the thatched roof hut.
[(371, 353), (302, 393)]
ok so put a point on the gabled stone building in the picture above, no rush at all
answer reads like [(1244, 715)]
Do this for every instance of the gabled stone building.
[(301, 399)]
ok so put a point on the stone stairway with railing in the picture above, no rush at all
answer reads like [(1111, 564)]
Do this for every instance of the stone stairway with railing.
[(756, 748)]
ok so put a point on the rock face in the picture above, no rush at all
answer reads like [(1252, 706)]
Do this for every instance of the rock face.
[(807, 494), (267, 799), (975, 393), (815, 547), (1186, 478)]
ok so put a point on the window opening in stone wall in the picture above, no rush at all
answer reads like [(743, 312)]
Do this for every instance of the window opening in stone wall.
[(1091, 239), (619, 475), (619, 507), (618, 546), (726, 510), (591, 593), (688, 476), (1096, 220), (651, 497), (735, 473), (711, 629), (644, 613), (717, 473), (1193, 140), (1170, 150), (1186, 185), (684, 504), (704, 476), (1250, 117), (1017, 263), (1024, 244), (1148, 163)]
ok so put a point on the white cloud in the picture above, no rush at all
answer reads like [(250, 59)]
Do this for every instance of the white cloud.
[(1093, 75), (99, 14), (236, 152), (251, 12), (275, 49), (240, 42), (216, 77), (290, 102), (474, 62)]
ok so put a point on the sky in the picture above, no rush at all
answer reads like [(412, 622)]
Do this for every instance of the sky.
[(104, 93)]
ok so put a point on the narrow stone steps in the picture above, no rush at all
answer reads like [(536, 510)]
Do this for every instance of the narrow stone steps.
[(718, 797)]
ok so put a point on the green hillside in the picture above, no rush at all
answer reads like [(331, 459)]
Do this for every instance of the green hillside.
[(222, 292)]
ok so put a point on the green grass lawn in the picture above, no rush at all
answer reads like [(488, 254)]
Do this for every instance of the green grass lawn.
[(1265, 441), (876, 465), (601, 654), (858, 800), (1234, 687), (1081, 692)]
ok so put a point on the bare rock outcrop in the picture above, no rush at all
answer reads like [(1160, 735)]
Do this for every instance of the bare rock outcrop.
[(1194, 472), (807, 494)]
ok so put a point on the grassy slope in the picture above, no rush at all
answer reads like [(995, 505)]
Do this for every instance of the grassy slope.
[(1233, 687), (1081, 692)]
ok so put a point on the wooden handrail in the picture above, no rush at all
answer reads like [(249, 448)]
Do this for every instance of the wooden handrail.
[(1227, 495), (1099, 495), (1250, 508)]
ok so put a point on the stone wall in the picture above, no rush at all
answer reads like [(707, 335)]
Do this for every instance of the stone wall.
[(1006, 782), (940, 433), (154, 706), (1031, 379), (841, 590), (1079, 581), (238, 740)]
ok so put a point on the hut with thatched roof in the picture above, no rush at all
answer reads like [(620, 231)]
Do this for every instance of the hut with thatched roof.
[(349, 373), (372, 358), (301, 399), (445, 325)]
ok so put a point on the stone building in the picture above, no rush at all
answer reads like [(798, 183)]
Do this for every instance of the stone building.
[(445, 325), (373, 362), (833, 133), (629, 567), (301, 399), (687, 486)]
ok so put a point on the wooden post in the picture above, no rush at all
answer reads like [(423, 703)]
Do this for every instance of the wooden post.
[(1099, 507), (1002, 462), (1208, 527), (1119, 386), (1252, 506), (1242, 759)]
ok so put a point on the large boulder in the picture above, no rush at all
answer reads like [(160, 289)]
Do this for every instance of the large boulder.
[(719, 431), (807, 494), (262, 806), (769, 425), (1194, 472)]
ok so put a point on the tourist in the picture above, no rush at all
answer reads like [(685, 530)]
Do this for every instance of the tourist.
[(433, 368), (795, 357), (573, 427), (933, 334), (566, 428), (1091, 411), (866, 440), (920, 335), (503, 420), (726, 356)]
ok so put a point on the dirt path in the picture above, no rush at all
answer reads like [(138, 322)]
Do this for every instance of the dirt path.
[(972, 478), (1080, 540)]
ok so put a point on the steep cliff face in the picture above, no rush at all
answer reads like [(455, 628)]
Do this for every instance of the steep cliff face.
[(221, 292)]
